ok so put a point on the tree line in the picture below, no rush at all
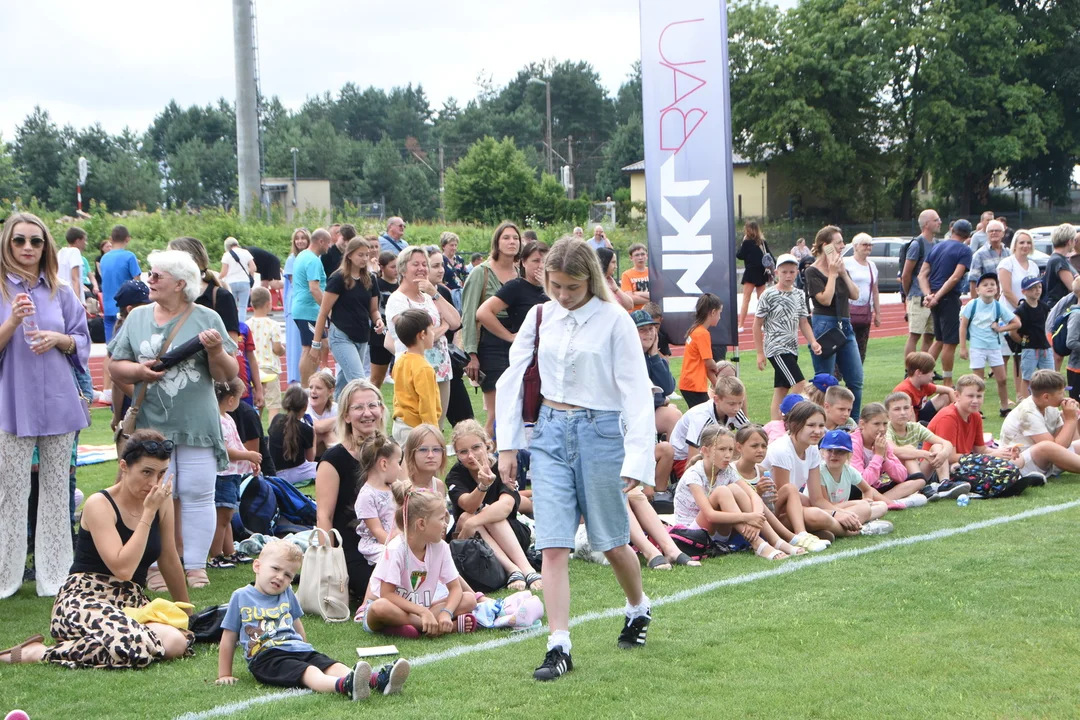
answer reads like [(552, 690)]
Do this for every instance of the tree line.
[(852, 101)]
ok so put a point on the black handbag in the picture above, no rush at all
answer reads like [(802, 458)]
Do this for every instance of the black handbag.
[(478, 565), (831, 341), (206, 624)]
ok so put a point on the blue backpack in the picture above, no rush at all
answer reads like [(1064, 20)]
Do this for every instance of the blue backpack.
[(258, 511), (293, 506), (1059, 333), (974, 308)]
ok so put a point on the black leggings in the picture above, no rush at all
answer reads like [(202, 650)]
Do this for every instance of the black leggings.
[(694, 398)]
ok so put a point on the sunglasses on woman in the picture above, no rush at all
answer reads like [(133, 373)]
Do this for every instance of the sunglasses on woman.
[(150, 447), (20, 241)]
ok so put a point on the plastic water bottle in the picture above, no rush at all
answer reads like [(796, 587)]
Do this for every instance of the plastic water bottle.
[(963, 500), (768, 491)]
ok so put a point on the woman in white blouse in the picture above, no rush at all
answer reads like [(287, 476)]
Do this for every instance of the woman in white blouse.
[(867, 309), (596, 416), (237, 271), (1013, 269)]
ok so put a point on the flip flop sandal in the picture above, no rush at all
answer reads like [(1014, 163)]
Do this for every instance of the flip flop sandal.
[(685, 559), (516, 577), (466, 623), (533, 578), (659, 563), (16, 651)]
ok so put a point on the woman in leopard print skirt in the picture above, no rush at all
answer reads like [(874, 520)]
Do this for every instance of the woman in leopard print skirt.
[(124, 530)]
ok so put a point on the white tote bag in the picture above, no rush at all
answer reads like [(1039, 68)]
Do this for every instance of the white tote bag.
[(324, 579)]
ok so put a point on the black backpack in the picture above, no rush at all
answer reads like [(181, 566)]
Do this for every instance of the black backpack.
[(903, 261)]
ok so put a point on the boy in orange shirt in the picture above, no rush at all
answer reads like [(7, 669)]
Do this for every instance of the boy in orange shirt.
[(699, 370), (635, 281), (926, 397)]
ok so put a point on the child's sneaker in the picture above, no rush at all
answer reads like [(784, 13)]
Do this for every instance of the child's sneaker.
[(357, 683), (391, 677), (633, 632), (239, 558), (220, 563), (556, 664), (914, 501), (896, 505), (951, 490)]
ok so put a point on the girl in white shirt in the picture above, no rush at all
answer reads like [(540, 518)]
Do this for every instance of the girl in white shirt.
[(596, 416), (794, 460), (712, 497)]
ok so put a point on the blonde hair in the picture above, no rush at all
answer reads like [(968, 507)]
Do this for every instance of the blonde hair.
[(197, 251), (970, 380), (466, 428), (283, 549), (344, 424), (47, 265), (575, 258), (711, 436), (406, 255), (728, 386), (413, 504), (416, 436)]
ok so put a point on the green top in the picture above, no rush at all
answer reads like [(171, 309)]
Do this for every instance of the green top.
[(914, 435), (470, 300), (182, 405), (839, 489)]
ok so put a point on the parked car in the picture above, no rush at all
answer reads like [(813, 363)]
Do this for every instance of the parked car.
[(885, 254)]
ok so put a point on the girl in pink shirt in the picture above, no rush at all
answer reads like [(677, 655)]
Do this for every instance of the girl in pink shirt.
[(873, 457)]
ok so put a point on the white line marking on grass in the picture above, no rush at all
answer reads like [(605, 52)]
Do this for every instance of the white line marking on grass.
[(794, 566)]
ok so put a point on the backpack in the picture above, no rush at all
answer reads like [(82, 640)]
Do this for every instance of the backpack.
[(903, 261), (293, 505), (696, 543), (1059, 332), (971, 316), (989, 476), (258, 511), (478, 565)]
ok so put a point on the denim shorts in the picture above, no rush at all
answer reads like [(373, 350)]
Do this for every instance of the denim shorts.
[(227, 492), (1032, 360), (576, 458)]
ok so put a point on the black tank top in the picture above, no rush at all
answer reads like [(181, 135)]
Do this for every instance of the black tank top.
[(87, 559)]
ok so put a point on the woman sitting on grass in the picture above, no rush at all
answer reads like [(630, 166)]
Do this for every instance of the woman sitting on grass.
[(711, 496), (482, 504), (322, 411), (124, 530)]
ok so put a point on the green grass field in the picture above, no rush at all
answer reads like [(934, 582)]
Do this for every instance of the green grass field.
[(977, 623)]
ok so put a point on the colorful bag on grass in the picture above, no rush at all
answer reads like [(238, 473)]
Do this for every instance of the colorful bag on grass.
[(990, 476), (696, 542)]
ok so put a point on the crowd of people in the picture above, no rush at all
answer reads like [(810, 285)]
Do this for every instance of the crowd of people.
[(580, 426)]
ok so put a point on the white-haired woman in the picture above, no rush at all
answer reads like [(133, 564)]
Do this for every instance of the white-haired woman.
[(238, 272), (867, 309), (43, 336), (593, 441), (179, 401), (416, 292)]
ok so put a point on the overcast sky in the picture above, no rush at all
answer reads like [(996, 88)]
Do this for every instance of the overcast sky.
[(119, 62)]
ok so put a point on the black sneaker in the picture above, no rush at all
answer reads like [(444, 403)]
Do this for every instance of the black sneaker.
[(1035, 479), (358, 682), (633, 632), (392, 677), (930, 490), (220, 563), (556, 664), (938, 377), (951, 490), (239, 558)]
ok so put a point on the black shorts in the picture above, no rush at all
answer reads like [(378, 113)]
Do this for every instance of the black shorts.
[(787, 373), (927, 411), (946, 315), (694, 398), (286, 669), (307, 331), (379, 354)]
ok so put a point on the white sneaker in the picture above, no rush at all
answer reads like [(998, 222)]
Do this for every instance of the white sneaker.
[(913, 501), (877, 527), (106, 396)]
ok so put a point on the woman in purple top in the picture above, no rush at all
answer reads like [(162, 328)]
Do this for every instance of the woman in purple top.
[(43, 336)]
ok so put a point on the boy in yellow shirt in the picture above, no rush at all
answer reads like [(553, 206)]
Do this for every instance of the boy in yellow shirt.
[(416, 394)]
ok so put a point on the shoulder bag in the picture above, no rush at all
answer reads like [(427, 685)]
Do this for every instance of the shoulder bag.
[(530, 404), (127, 425), (862, 315), (324, 578)]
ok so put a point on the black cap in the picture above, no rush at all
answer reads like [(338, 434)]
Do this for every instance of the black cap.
[(133, 292), (962, 228)]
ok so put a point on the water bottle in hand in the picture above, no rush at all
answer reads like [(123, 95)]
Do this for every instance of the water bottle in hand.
[(29, 326), (767, 489)]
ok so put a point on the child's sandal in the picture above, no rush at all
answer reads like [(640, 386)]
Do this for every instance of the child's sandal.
[(532, 579), (516, 581), (466, 623), (768, 552)]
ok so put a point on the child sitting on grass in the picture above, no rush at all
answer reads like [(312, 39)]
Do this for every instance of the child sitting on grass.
[(1043, 427), (712, 497), (241, 462), (907, 438), (416, 394), (838, 404), (723, 408), (873, 458), (265, 618), (926, 398), (415, 586), (833, 490), (751, 445)]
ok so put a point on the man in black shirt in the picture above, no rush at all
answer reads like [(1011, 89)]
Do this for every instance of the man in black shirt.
[(268, 265), (340, 235), (1059, 271)]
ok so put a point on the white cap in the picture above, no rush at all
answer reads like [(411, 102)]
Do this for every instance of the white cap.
[(786, 258)]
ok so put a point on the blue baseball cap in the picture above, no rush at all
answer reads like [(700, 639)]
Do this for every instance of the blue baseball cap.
[(836, 440), (789, 403), (1030, 282), (642, 318), (824, 381), (133, 292)]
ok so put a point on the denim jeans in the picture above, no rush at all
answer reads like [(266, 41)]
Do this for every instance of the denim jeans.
[(242, 292), (353, 359), (576, 456), (847, 357)]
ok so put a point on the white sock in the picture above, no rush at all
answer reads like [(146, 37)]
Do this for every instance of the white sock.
[(639, 610), (559, 638)]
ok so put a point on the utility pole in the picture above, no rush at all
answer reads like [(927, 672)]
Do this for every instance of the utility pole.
[(247, 121), (547, 87), (570, 162), (442, 177)]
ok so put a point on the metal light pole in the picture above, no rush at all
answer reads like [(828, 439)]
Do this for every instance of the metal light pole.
[(294, 151), (547, 92)]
